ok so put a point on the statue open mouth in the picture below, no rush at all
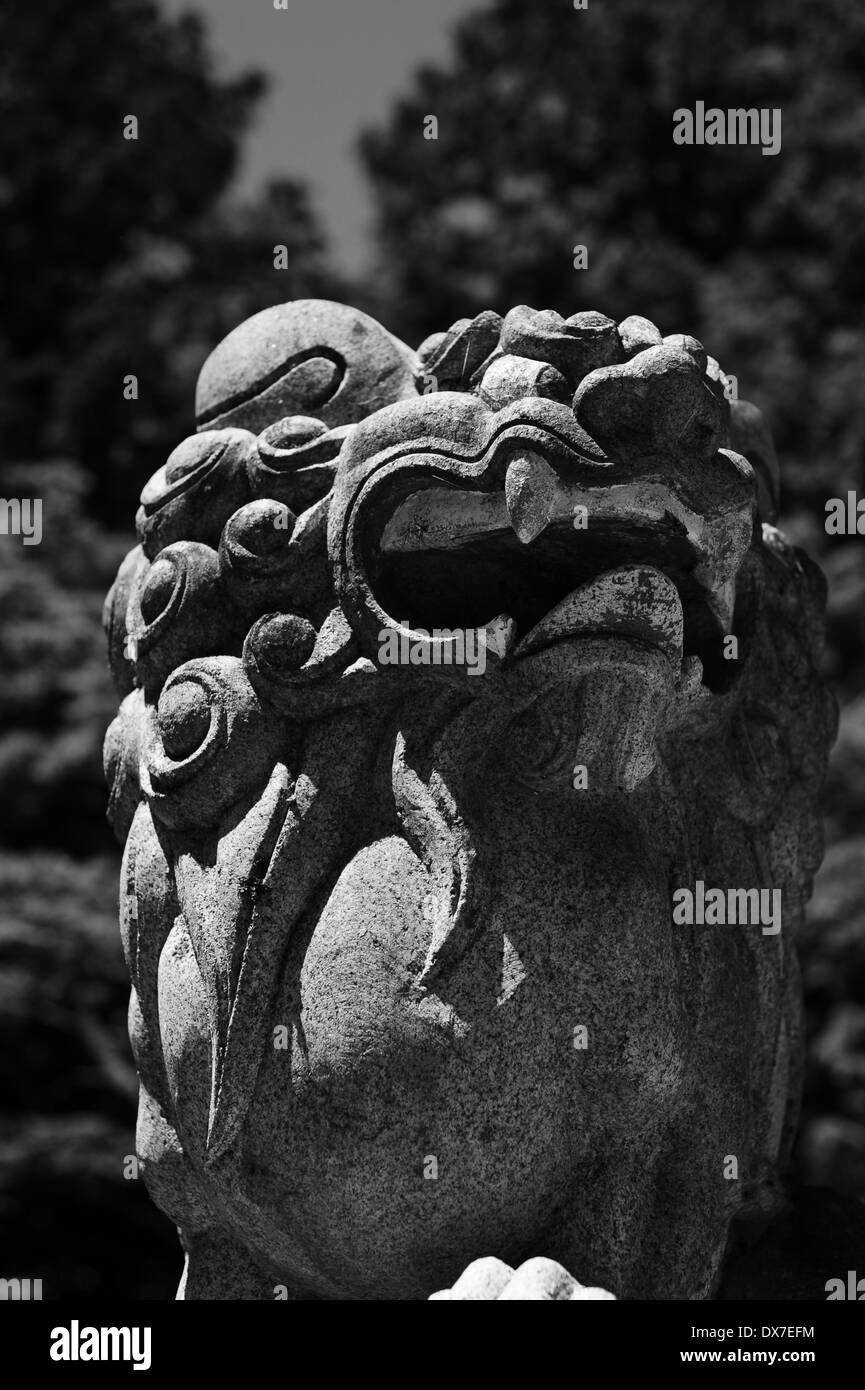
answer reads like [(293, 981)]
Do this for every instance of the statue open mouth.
[(522, 550)]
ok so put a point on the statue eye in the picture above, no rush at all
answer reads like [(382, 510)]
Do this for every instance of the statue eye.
[(293, 431)]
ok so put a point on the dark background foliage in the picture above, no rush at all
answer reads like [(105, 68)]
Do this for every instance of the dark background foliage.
[(553, 131)]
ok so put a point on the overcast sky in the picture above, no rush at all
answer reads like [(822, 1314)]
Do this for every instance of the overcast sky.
[(335, 66)]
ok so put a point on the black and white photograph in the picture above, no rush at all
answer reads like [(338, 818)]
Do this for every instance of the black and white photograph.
[(432, 671)]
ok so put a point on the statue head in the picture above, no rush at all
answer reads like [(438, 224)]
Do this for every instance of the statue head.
[(467, 769)]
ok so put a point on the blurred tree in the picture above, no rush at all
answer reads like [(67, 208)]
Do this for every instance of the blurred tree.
[(158, 315), (555, 129), (70, 1211), (55, 696), (74, 191), (121, 255)]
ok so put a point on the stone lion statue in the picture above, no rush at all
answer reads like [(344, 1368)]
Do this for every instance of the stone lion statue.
[(470, 724)]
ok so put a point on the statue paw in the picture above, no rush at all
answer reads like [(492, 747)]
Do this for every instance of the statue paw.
[(536, 1279)]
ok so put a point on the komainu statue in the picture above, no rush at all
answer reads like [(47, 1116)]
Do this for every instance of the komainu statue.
[(467, 766)]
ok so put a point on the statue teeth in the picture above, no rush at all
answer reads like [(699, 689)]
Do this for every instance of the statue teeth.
[(499, 635), (531, 489), (722, 601)]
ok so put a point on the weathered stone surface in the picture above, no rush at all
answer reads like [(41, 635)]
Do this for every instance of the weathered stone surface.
[(638, 333), (537, 1280), (657, 403), (450, 360), (191, 497), (429, 712), (540, 1280), (683, 342), (511, 378), (308, 356), (483, 1280), (575, 346)]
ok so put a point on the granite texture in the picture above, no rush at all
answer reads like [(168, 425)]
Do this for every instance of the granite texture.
[(410, 1010)]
